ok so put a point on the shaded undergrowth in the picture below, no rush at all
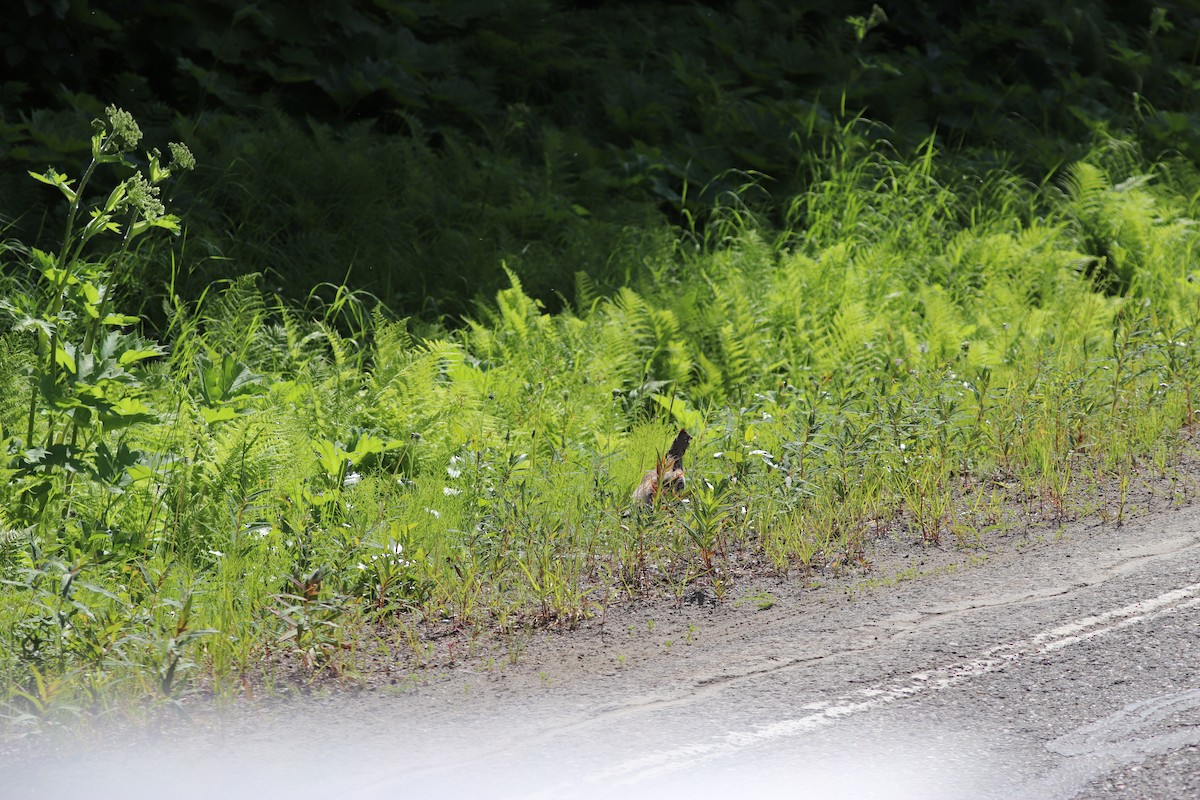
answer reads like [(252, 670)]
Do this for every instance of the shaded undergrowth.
[(405, 147)]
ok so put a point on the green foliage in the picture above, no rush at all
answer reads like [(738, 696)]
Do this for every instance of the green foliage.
[(918, 350), (407, 148), (85, 381)]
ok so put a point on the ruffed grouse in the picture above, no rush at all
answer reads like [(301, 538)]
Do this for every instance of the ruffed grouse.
[(667, 476)]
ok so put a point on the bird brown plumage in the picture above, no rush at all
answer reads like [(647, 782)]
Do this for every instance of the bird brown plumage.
[(667, 475)]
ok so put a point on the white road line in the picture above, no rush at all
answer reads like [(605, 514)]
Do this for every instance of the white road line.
[(991, 660)]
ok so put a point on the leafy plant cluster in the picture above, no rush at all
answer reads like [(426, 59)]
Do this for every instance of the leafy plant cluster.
[(406, 147), (914, 351)]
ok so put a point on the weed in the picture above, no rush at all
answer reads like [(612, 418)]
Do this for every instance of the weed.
[(901, 362)]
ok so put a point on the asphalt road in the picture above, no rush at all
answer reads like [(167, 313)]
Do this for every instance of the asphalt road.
[(1069, 669)]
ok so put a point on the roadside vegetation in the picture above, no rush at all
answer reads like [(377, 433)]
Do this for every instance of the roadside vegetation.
[(209, 481), (918, 350)]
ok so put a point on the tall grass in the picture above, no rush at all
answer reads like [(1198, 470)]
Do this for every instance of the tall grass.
[(918, 350)]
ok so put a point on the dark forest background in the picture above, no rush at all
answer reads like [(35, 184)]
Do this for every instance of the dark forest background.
[(407, 148)]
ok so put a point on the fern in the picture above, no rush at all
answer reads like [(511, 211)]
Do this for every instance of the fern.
[(880, 361), (231, 321), (587, 292)]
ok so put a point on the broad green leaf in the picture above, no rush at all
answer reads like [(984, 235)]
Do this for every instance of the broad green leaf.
[(127, 411), (59, 277), (53, 177), (142, 472), (168, 222), (59, 455), (64, 356), (45, 326), (134, 354), (331, 455), (120, 320), (221, 414), (55, 394), (366, 445), (227, 379), (92, 293), (129, 407), (44, 261), (111, 468), (677, 407)]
